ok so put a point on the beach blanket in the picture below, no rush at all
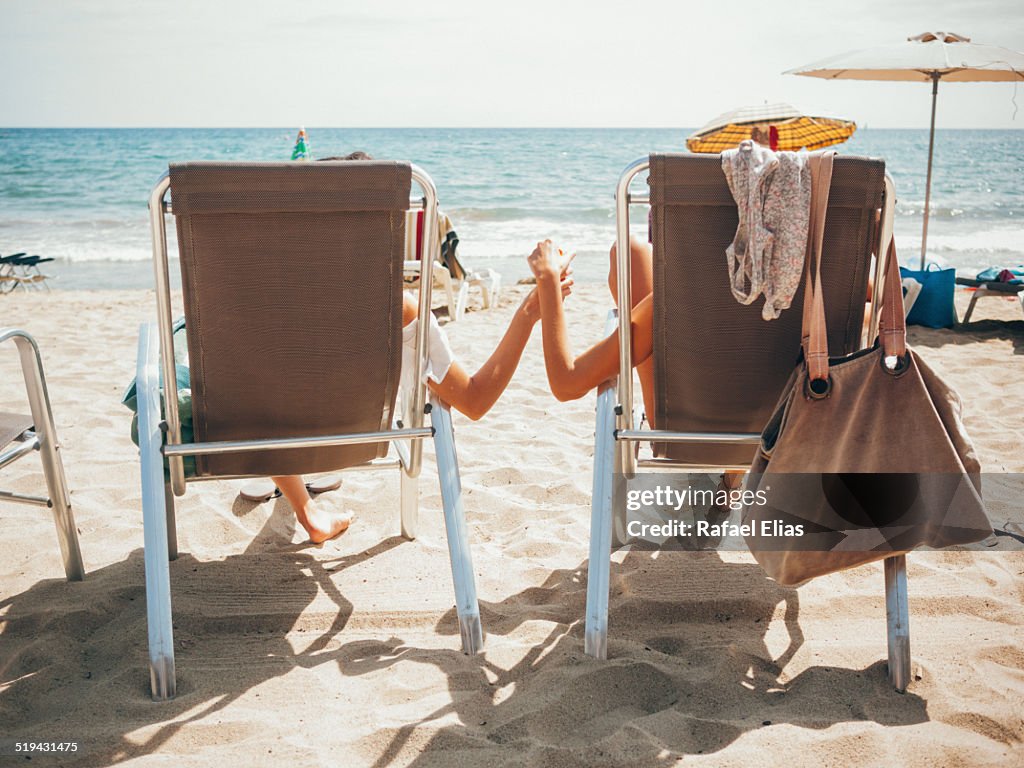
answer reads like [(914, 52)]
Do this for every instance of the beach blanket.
[(1011, 275)]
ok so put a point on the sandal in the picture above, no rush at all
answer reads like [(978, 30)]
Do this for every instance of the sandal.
[(259, 491), (263, 489), (323, 484)]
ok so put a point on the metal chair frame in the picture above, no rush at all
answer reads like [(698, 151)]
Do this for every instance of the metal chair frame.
[(617, 438), (160, 439), (43, 438)]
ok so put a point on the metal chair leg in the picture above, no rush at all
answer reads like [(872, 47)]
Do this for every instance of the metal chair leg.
[(897, 621), (49, 452), (618, 509), (455, 524), (172, 527), (595, 638), (155, 518), (410, 504), (978, 293), (618, 512), (67, 532)]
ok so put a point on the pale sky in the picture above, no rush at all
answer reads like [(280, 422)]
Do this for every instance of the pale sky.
[(409, 63)]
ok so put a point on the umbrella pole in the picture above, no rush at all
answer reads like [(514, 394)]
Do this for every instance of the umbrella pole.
[(928, 183)]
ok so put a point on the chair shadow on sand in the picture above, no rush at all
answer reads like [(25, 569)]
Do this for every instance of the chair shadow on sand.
[(969, 333), (695, 677), (231, 621), (694, 684)]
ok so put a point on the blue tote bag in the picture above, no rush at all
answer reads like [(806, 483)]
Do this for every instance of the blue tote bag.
[(934, 305)]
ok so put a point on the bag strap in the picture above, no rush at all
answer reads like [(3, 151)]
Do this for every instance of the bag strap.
[(814, 333), (892, 325)]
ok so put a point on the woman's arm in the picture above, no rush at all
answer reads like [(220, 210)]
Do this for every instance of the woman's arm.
[(571, 378), (475, 395)]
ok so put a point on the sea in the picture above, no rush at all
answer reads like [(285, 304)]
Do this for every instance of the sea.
[(80, 195)]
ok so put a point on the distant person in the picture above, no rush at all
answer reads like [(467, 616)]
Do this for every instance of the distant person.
[(357, 155)]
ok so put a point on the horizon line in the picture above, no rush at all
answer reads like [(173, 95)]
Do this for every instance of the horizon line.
[(863, 127)]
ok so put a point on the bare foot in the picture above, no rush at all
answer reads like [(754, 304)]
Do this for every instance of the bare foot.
[(322, 524)]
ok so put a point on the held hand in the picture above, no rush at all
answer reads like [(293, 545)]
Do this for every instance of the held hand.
[(543, 260), (531, 304)]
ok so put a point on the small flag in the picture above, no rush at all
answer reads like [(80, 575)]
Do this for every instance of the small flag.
[(301, 151)]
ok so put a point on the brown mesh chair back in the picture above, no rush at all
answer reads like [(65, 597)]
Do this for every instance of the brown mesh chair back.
[(718, 366), (292, 284), (13, 426)]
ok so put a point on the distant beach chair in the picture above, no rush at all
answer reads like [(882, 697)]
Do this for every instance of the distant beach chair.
[(911, 290), (21, 435), (10, 275), (448, 273), (22, 271), (983, 288), (293, 371), (720, 368)]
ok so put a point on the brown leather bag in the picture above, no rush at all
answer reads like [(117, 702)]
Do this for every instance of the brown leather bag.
[(867, 453)]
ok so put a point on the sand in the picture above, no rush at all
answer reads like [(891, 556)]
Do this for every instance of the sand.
[(348, 654)]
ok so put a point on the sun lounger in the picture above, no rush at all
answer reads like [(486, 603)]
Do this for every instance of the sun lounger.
[(989, 288), (911, 290), (448, 273), (720, 368), (9, 276), (293, 371), (21, 435), (21, 271)]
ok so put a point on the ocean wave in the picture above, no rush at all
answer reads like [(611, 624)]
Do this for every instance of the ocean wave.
[(498, 214), (512, 238), (996, 242), (993, 212)]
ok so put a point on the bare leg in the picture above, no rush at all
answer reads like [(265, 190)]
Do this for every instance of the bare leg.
[(321, 525), (642, 277)]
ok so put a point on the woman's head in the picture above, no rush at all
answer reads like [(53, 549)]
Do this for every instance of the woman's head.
[(357, 155)]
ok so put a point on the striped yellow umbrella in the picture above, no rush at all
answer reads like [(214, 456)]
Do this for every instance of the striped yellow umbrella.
[(789, 129)]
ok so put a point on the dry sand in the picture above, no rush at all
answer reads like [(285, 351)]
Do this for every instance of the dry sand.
[(349, 654)]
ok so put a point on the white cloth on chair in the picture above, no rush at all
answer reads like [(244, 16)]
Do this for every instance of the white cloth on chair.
[(772, 191), (439, 355)]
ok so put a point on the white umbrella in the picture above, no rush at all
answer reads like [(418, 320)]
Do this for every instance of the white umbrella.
[(932, 56)]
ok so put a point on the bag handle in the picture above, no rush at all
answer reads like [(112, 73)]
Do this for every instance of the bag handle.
[(892, 328), (814, 333), (892, 325)]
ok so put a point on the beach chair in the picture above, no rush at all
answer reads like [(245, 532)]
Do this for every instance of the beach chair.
[(292, 370), (22, 271), (448, 273), (983, 288), (720, 368), (21, 435), (10, 278), (32, 274)]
